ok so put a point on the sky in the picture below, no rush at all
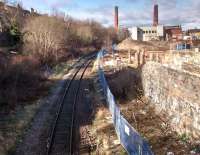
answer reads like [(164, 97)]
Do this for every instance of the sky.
[(131, 12)]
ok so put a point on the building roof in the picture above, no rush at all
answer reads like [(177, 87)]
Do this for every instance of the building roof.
[(172, 27), (173, 30), (194, 30), (176, 31)]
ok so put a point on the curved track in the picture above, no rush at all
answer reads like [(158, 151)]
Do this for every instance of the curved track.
[(61, 139)]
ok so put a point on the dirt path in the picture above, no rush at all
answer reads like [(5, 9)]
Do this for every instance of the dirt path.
[(35, 140)]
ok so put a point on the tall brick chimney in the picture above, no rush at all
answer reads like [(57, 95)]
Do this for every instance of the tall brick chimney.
[(116, 19), (155, 15)]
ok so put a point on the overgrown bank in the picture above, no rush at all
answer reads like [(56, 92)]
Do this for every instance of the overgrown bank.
[(15, 123), (45, 42), (140, 112)]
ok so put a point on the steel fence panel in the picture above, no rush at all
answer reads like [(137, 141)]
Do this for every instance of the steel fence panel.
[(110, 100), (117, 122), (128, 136), (131, 140)]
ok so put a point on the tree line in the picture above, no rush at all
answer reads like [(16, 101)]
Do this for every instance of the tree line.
[(43, 40)]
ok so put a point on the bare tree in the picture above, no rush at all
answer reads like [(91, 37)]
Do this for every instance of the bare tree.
[(45, 37)]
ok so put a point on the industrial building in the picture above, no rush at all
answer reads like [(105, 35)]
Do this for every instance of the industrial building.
[(194, 34), (173, 33), (147, 33), (156, 31)]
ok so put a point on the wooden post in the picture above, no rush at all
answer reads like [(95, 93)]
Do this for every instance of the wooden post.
[(151, 56), (141, 57), (138, 58), (162, 59), (135, 57), (157, 57), (144, 56), (129, 56)]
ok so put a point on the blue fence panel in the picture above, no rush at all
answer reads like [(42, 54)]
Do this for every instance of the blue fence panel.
[(117, 120), (131, 140), (111, 101), (128, 136)]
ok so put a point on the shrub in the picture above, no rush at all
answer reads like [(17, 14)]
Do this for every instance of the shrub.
[(85, 35), (20, 81), (130, 88), (15, 33)]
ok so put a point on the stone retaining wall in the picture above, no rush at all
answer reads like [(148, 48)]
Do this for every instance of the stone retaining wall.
[(175, 92)]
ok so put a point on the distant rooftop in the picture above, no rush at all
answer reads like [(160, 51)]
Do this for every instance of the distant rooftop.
[(194, 30)]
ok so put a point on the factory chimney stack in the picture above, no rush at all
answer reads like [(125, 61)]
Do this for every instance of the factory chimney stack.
[(155, 15), (116, 19)]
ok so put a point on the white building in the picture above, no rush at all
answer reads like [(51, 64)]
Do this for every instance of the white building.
[(136, 33), (147, 33)]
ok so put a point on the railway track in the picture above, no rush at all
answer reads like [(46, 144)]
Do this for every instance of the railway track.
[(61, 140)]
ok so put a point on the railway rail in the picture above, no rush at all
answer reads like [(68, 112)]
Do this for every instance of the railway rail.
[(61, 139)]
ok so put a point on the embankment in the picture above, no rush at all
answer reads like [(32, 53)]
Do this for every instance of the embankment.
[(175, 92)]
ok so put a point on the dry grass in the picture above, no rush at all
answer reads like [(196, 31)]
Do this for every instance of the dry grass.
[(13, 125), (16, 115), (128, 44), (106, 138), (102, 128), (155, 128)]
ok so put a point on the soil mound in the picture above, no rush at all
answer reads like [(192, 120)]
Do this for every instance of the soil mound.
[(129, 43)]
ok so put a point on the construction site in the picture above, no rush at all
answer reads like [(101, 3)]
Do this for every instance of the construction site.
[(154, 74), (70, 87)]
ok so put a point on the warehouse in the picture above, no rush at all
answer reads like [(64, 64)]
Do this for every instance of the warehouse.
[(147, 33)]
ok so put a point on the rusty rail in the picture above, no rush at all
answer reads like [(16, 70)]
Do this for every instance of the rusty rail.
[(50, 143)]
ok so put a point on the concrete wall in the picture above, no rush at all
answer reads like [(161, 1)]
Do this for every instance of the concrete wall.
[(175, 92), (160, 31), (136, 33)]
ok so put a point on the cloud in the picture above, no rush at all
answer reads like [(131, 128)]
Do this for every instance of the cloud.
[(57, 4), (132, 12), (185, 12)]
